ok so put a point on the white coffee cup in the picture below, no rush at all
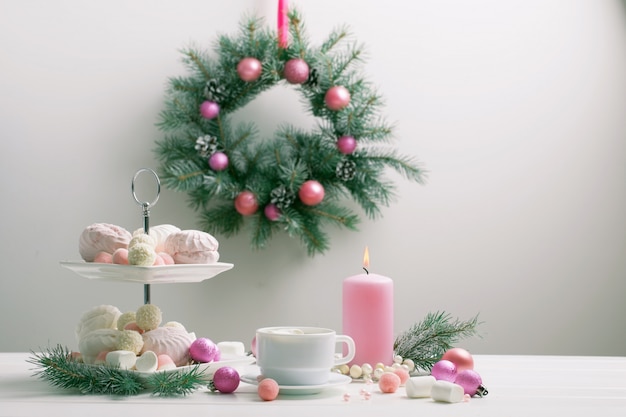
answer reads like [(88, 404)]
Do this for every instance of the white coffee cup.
[(300, 355)]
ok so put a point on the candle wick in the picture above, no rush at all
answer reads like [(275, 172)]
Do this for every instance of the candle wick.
[(366, 271)]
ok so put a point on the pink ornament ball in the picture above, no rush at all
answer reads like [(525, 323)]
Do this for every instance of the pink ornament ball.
[(460, 357), (246, 203), (209, 109), (311, 193), (296, 71), (272, 212), (268, 389), (444, 370), (249, 69), (218, 161), (470, 380), (203, 350), (389, 382), (226, 379), (337, 97), (346, 144)]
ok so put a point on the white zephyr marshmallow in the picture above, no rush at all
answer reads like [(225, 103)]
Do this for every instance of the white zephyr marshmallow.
[(229, 349), (192, 247), (447, 391), (122, 359), (148, 362), (419, 386)]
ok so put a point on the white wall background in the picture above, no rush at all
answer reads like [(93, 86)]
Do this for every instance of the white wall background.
[(517, 109)]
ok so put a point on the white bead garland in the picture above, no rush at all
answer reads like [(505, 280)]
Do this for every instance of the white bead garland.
[(368, 373)]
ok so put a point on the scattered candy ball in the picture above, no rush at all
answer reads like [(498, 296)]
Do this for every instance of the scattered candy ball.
[(311, 193), (444, 370), (103, 258), (403, 374), (120, 256), (141, 254), (246, 203), (460, 357), (148, 317), (356, 371), (296, 71), (218, 161), (389, 382), (129, 340), (268, 389), (203, 350), (337, 97), (226, 379), (209, 109), (249, 69)]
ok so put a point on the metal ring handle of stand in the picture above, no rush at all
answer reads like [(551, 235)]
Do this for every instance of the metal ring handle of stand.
[(145, 207)]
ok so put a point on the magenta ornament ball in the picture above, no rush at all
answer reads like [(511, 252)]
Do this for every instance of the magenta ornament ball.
[(337, 97), (470, 380), (246, 203), (226, 379), (346, 144), (460, 357), (218, 161), (444, 370), (296, 71), (272, 212), (249, 69), (209, 109), (311, 193), (204, 350)]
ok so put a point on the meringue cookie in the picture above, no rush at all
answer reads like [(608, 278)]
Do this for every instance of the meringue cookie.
[(192, 247), (160, 233), (100, 317), (101, 340), (102, 237), (171, 341)]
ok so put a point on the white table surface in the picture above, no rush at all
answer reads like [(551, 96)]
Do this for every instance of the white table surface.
[(526, 386)]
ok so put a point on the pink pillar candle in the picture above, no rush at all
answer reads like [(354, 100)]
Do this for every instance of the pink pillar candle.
[(283, 23), (368, 317)]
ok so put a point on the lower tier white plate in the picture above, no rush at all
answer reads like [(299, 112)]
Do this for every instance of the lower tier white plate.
[(163, 274), (335, 380), (208, 369)]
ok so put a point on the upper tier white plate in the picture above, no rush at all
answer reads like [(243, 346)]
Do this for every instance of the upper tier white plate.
[(164, 274)]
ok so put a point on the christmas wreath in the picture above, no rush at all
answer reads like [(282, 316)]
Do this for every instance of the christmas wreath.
[(293, 182)]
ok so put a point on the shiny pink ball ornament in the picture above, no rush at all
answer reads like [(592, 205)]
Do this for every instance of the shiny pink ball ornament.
[(460, 357), (337, 97), (218, 161), (272, 212), (346, 144), (296, 71), (471, 382), (249, 69), (444, 370), (311, 193), (225, 380), (246, 203), (209, 109)]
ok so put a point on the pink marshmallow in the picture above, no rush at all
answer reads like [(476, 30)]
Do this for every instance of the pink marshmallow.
[(120, 256), (167, 258), (133, 326), (103, 258), (165, 362)]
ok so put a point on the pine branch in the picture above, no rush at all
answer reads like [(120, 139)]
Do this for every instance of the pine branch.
[(426, 341)]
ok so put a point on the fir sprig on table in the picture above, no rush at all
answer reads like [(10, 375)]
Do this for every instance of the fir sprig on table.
[(57, 367), (426, 341)]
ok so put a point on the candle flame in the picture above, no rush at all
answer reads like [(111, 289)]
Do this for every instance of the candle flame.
[(366, 258)]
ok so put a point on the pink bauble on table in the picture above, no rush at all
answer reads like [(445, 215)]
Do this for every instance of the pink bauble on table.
[(337, 97), (311, 193), (470, 380), (346, 144), (226, 379), (460, 357), (218, 161), (272, 212), (296, 71), (246, 203), (444, 370), (249, 69), (209, 109)]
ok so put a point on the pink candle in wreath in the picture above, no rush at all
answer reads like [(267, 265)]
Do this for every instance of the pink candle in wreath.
[(368, 315), (283, 23)]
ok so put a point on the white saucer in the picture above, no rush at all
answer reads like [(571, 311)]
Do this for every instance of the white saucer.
[(335, 380)]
